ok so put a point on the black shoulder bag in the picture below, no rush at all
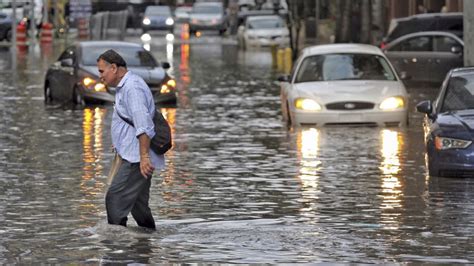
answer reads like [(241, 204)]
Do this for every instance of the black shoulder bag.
[(161, 142)]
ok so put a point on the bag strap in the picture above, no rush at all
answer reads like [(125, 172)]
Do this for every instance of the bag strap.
[(123, 118)]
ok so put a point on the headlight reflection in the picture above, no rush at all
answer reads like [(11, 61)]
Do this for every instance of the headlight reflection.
[(308, 147), (92, 144), (391, 186)]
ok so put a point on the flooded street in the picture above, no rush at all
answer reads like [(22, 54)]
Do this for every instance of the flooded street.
[(239, 187)]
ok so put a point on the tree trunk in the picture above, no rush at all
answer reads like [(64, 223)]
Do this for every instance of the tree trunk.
[(378, 21), (365, 29), (343, 29)]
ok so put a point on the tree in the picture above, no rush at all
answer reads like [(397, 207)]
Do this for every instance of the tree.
[(365, 30), (343, 21)]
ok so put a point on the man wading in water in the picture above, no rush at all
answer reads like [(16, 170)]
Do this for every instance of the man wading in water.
[(130, 187)]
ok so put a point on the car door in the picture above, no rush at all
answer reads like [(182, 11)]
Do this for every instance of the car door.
[(64, 75), (413, 56), (447, 54)]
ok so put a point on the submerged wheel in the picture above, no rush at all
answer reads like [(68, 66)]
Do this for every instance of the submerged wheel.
[(77, 97), (48, 96)]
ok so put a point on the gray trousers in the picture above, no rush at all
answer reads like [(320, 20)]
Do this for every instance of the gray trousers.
[(129, 192)]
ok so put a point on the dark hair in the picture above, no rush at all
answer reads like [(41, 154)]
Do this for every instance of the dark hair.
[(112, 57)]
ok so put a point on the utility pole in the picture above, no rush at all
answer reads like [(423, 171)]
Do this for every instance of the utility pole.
[(468, 22), (32, 23), (13, 42)]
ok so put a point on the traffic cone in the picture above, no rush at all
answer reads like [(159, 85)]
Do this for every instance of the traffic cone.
[(46, 33), (21, 37)]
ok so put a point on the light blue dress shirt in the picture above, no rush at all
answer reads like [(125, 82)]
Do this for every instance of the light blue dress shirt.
[(134, 101)]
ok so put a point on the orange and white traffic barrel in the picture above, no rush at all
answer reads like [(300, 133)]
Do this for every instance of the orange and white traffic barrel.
[(46, 33), (21, 37)]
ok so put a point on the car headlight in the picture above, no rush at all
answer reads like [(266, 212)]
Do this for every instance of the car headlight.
[(169, 21), (392, 103), (307, 104), (92, 84), (168, 86), (442, 143), (146, 21)]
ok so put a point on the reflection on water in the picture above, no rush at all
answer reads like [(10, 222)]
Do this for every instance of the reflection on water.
[(184, 77), (308, 146), (93, 151), (169, 55), (391, 186)]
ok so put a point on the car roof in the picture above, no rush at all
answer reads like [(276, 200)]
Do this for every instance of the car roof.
[(260, 17), (92, 44), (342, 48), (425, 33), (430, 16), (208, 4), (460, 71)]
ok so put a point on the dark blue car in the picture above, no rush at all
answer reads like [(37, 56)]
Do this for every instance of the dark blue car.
[(158, 18), (5, 27), (449, 126)]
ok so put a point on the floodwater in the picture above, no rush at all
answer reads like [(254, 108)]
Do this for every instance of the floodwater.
[(239, 187)]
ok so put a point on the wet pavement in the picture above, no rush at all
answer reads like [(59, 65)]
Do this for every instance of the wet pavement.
[(239, 187)]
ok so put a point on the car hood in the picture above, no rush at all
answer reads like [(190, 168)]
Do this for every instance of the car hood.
[(268, 32), (358, 90), (151, 76), (455, 123)]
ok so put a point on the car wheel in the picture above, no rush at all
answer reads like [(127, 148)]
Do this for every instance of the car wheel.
[(9, 35), (48, 95), (78, 98), (288, 115)]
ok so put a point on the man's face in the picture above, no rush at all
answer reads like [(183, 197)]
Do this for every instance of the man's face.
[(107, 73)]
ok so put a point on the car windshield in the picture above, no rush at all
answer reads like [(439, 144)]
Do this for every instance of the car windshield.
[(207, 9), (158, 11), (133, 56), (459, 94), (329, 67), (270, 23)]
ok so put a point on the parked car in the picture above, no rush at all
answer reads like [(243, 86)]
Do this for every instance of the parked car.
[(182, 14), (426, 56), (263, 31), (449, 126), (207, 16), (5, 27), (343, 84), (449, 22), (74, 76), (158, 18)]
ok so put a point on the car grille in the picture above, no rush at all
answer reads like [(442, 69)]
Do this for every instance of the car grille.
[(350, 106), (355, 124)]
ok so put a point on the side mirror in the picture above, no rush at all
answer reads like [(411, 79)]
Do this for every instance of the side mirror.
[(404, 75), (165, 65), (67, 62), (456, 50), (284, 78), (427, 108)]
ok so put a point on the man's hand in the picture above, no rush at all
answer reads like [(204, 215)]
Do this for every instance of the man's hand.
[(146, 168)]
